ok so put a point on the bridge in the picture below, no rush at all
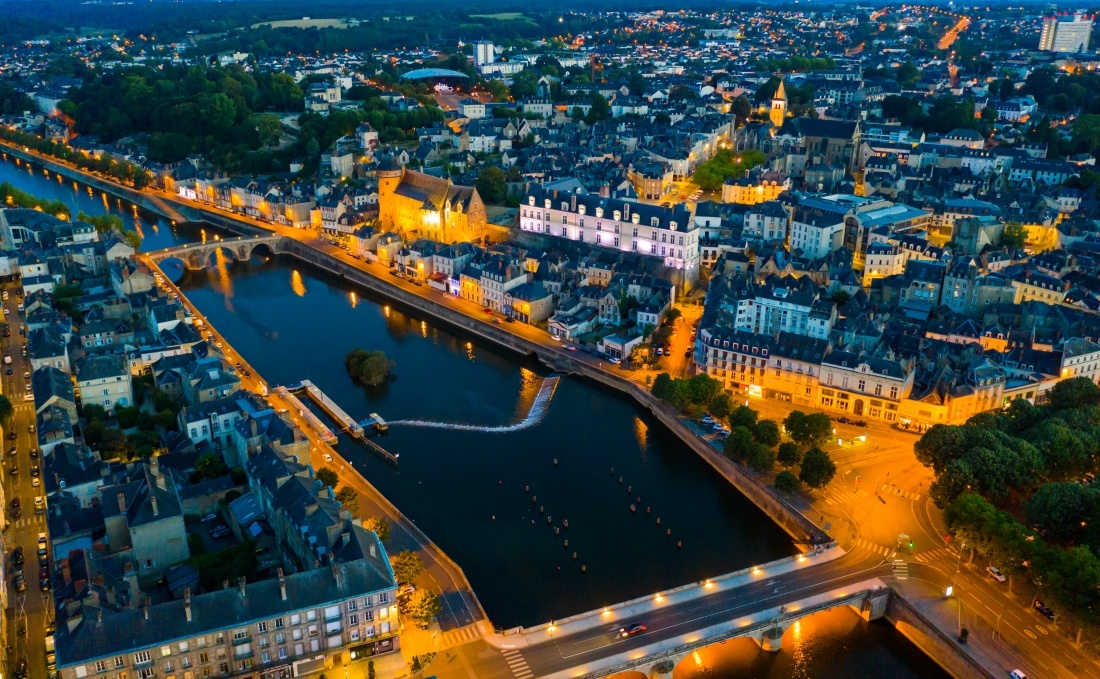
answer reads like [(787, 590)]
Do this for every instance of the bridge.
[(197, 255)]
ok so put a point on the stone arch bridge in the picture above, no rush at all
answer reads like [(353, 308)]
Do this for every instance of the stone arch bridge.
[(197, 255)]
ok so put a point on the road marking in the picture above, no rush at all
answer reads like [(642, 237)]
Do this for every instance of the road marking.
[(901, 569), (1030, 635), (517, 664)]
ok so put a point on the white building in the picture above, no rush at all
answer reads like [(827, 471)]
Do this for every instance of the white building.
[(484, 53), (104, 379), (1066, 33)]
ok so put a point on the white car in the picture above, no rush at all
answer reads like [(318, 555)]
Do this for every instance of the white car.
[(995, 573), (35, 482), (1017, 674), (326, 457), (613, 361), (218, 344)]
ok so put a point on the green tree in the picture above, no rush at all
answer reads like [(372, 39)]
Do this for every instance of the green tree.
[(1014, 236), (789, 454), (423, 606), (348, 498), (743, 416), (817, 468), (369, 368), (379, 526), (269, 128), (406, 566), (738, 444), (760, 457), (600, 110), (766, 432), (702, 389), (742, 109), (1061, 509), (1077, 392), (720, 406), (787, 482), (6, 410), (211, 466), (491, 184), (132, 238), (725, 164), (327, 476), (808, 429)]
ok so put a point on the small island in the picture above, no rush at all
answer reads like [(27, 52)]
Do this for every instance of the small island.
[(369, 368)]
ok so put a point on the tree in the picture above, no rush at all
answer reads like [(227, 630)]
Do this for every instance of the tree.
[(423, 605), (809, 430), (1061, 509), (369, 368), (738, 444), (379, 526), (600, 110), (766, 433), (817, 468), (742, 109), (727, 163), (1014, 236), (210, 466), (786, 482), (407, 566), (491, 184), (132, 238), (1077, 392), (720, 406), (701, 389), (327, 476), (760, 457), (269, 128), (672, 314), (348, 498), (743, 416), (789, 454), (6, 410)]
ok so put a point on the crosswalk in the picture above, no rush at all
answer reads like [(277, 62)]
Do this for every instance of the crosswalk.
[(459, 636), (872, 547), (23, 522), (891, 489), (941, 553), (517, 664), (844, 497), (901, 569)]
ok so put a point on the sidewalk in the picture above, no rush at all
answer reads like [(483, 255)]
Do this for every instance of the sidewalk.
[(648, 604)]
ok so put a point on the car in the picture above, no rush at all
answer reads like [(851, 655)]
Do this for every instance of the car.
[(995, 573), (497, 321), (14, 471), (860, 423), (31, 429), (571, 347), (660, 351), (406, 590), (613, 361), (326, 457), (707, 419), (632, 629), (20, 671), (15, 502), (9, 371), (13, 450), (1047, 612), (17, 556), (20, 583), (44, 584), (36, 482), (43, 561), (12, 435), (219, 532), (509, 319), (17, 513), (35, 471), (687, 354), (34, 453), (488, 311), (1017, 674), (39, 502), (26, 374), (209, 517), (218, 344), (718, 426)]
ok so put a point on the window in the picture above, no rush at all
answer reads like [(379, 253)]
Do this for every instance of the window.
[(878, 390), (353, 619), (282, 653), (862, 385), (280, 638), (278, 623), (383, 598), (893, 392), (352, 605), (296, 619), (204, 657), (261, 627), (165, 651), (142, 657), (311, 615), (101, 666)]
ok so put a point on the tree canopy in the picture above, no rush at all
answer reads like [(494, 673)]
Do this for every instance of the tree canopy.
[(369, 368)]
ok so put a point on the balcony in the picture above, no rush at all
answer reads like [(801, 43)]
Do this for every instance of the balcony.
[(242, 640)]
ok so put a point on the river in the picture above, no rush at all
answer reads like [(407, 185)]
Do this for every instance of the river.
[(466, 489)]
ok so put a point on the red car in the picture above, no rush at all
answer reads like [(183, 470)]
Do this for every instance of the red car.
[(631, 630), (488, 311)]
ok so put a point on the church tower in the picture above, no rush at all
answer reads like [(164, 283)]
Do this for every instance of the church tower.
[(778, 111), (388, 173)]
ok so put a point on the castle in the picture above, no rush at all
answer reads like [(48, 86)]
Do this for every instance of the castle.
[(430, 207)]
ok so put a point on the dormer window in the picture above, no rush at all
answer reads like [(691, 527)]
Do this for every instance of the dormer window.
[(634, 218), (618, 216), (565, 206), (547, 203), (672, 225), (654, 221), (531, 200), (581, 209), (599, 212)]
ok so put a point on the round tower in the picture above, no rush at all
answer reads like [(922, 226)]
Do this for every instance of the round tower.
[(389, 174)]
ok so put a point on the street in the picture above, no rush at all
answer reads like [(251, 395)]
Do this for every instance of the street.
[(32, 609)]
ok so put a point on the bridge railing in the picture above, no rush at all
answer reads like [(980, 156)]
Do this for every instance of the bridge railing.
[(746, 630)]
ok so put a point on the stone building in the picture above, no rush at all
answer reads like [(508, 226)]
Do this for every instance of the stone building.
[(428, 207)]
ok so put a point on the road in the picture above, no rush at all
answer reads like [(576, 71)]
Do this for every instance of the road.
[(32, 609)]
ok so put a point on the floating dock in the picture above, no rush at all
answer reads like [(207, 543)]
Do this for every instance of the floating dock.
[(315, 422), (358, 431)]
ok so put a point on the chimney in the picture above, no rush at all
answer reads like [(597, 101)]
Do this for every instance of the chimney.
[(626, 211), (282, 585), (145, 610), (225, 584), (605, 190), (187, 603), (153, 501), (240, 584), (122, 503), (336, 573), (154, 466)]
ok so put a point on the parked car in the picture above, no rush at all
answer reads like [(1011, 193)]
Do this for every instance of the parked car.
[(843, 420), (995, 573), (326, 457), (860, 423), (1047, 612), (17, 556)]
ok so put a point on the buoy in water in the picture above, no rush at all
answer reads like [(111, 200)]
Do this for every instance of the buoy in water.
[(548, 520), (679, 544), (669, 532), (574, 555), (583, 568), (557, 531), (612, 471), (565, 523), (555, 462), (629, 490), (658, 521), (639, 500), (527, 489), (542, 509), (534, 499), (620, 480), (647, 510), (494, 517), (633, 508), (500, 483), (565, 544)]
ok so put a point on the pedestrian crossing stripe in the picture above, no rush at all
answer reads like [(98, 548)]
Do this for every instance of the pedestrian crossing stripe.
[(517, 664), (891, 489), (872, 547), (462, 635), (901, 569)]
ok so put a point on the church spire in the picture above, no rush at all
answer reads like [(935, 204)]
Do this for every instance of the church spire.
[(778, 111)]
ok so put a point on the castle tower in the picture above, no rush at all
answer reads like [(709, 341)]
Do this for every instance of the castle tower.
[(778, 111), (388, 173)]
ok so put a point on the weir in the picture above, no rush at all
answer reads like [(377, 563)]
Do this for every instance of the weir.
[(318, 426), (539, 406), (354, 429)]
